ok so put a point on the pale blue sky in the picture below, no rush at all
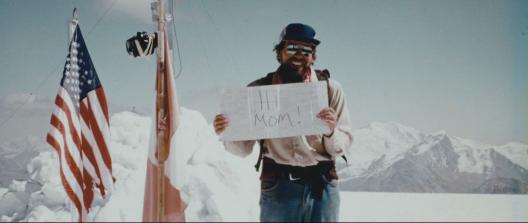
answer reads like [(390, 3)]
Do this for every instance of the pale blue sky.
[(458, 66)]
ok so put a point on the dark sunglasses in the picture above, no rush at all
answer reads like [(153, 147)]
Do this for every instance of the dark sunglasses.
[(291, 49)]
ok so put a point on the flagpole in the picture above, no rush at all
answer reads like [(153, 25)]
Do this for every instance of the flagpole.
[(161, 114), (72, 24), (71, 30)]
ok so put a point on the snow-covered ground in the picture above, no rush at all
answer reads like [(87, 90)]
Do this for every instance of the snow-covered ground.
[(428, 207), (221, 187)]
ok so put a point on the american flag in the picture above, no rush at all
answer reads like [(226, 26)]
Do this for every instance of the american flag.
[(80, 129)]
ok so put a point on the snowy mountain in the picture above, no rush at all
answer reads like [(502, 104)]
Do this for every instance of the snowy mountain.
[(390, 157)]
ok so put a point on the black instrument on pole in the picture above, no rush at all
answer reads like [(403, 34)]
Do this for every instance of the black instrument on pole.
[(142, 44)]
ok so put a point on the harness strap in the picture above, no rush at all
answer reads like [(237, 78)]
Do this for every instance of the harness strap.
[(261, 153)]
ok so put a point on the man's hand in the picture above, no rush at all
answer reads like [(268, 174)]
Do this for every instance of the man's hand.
[(328, 115), (220, 123)]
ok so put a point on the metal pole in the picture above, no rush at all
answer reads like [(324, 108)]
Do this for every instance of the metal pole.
[(72, 24), (161, 108), (76, 217)]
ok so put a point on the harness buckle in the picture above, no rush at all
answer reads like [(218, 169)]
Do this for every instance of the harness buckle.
[(292, 178)]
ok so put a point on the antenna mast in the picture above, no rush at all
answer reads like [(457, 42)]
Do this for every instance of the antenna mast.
[(72, 24), (162, 134)]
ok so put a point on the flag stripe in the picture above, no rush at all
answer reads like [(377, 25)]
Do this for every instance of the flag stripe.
[(102, 173), (88, 194), (97, 141), (88, 142), (57, 122), (60, 102), (69, 190), (92, 151), (70, 161), (57, 137), (93, 117), (100, 118), (89, 167), (54, 144), (98, 112), (102, 100), (67, 100), (89, 154)]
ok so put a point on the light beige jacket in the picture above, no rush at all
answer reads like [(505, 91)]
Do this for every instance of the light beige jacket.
[(306, 150)]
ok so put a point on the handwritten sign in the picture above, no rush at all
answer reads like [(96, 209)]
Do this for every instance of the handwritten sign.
[(274, 111)]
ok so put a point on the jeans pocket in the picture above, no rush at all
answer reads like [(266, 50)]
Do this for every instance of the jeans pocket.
[(269, 184), (332, 182)]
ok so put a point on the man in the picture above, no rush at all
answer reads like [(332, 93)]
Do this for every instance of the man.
[(298, 179)]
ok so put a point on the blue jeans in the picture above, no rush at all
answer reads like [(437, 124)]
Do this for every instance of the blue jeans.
[(285, 200)]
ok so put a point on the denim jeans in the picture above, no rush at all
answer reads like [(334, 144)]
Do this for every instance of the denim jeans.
[(285, 200)]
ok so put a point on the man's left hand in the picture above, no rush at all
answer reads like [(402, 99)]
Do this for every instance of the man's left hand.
[(328, 115)]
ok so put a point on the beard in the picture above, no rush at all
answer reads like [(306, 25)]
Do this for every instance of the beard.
[(290, 73)]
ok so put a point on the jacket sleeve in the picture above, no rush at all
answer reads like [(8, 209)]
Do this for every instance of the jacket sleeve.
[(340, 141), (240, 148)]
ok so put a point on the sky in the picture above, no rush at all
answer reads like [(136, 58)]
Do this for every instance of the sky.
[(457, 66)]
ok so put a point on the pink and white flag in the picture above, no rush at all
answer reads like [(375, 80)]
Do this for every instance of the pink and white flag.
[(163, 198)]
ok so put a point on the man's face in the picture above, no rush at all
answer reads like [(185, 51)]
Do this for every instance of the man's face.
[(298, 54)]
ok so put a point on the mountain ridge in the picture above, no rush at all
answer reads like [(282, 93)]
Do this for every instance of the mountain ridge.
[(396, 158)]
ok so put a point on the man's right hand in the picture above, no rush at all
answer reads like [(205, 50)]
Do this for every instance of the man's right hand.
[(220, 123)]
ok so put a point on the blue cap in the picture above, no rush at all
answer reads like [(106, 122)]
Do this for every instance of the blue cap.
[(299, 32)]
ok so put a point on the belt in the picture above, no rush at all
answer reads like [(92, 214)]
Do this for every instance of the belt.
[(312, 175)]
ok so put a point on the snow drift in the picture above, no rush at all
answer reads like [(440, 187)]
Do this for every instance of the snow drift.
[(217, 178)]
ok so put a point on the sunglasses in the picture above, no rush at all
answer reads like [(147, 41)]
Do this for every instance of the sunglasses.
[(291, 49)]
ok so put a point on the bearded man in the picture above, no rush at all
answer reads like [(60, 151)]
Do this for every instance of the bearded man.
[(298, 178)]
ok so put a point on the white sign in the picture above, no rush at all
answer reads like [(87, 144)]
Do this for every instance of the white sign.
[(274, 111)]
